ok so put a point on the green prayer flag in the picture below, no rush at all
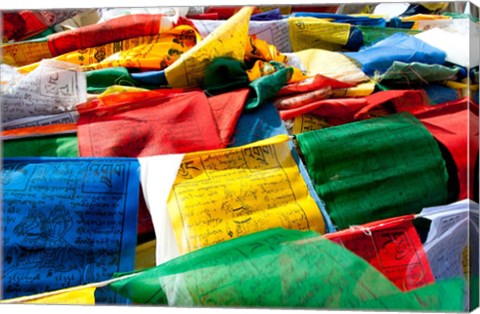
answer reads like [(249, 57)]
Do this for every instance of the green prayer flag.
[(275, 268), (321, 274), (375, 169), (99, 80), (145, 288), (373, 34), (457, 15), (416, 73), (225, 74), (266, 87), (63, 145), (444, 296)]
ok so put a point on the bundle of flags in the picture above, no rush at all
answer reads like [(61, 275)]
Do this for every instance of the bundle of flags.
[(276, 157)]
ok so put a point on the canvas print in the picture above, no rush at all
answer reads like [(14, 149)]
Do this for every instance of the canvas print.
[(317, 156)]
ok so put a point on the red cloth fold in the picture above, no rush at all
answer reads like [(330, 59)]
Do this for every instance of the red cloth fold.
[(227, 108), (344, 110), (393, 247), (159, 124), (120, 28), (455, 125), (311, 84)]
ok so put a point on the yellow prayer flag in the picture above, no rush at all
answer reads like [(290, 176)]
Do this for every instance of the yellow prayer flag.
[(23, 53), (76, 295), (228, 40), (420, 20), (308, 122), (259, 69), (260, 49), (262, 68), (223, 194), (331, 64), (93, 55), (150, 52), (361, 90), (309, 32), (118, 89), (161, 52), (297, 76)]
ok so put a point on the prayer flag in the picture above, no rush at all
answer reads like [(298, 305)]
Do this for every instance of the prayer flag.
[(279, 268), (147, 124), (223, 194), (84, 295), (393, 247), (228, 40), (375, 169), (67, 222)]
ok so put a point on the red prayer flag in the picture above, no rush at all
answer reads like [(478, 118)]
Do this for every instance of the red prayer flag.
[(159, 124), (313, 83), (120, 28), (455, 125), (334, 110), (13, 26), (393, 247), (226, 109), (413, 101), (338, 111)]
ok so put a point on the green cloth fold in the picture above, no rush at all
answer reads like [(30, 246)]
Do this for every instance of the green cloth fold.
[(375, 169), (279, 268), (63, 145), (417, 74), (145, 288), (267, 87), (99, 80), (373, 34), (225, 74)]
